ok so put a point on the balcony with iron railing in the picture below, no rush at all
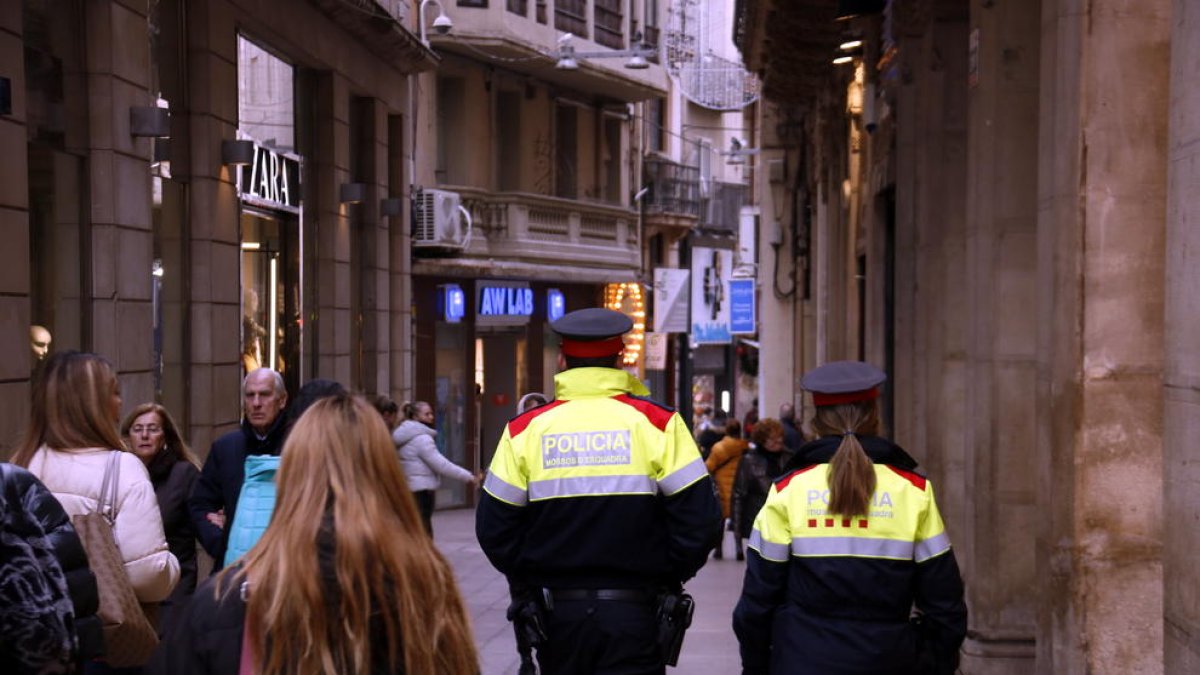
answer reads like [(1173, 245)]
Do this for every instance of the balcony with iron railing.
[(672, 203), (538, 229), (526, 36)]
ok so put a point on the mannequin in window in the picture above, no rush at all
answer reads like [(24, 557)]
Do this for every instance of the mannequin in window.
[(252, 332)]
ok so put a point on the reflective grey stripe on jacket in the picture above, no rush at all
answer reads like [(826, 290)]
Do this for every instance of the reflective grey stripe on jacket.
[(505, 492), (862, 547), (684, 477), (583, 486)]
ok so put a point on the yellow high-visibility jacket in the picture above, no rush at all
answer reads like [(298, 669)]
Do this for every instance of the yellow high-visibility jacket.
[(828, 594), (600, 488)]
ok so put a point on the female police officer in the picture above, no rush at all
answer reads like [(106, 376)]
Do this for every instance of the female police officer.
[(849, 539)]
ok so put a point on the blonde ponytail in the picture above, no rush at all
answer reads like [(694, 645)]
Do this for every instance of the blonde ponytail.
[(851, 471)]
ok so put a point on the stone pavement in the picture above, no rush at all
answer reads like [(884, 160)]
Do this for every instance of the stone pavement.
[(709, 648)]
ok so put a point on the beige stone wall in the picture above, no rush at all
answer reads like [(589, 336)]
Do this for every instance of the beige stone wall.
[(1100, 273), (1181, 372)]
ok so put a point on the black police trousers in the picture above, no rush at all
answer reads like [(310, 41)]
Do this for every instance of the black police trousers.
[(601, 637)]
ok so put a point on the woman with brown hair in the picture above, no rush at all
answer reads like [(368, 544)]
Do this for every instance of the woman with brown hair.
[(848, 543), (151, 434), (72, 433), (347, 583)]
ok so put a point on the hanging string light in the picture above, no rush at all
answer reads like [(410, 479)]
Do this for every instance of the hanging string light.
[(628, 299)]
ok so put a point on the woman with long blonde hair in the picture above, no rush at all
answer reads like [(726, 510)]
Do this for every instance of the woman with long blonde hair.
[(344, 580)]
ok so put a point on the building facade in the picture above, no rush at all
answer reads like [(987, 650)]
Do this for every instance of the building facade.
[(197, 187), (988, 199)]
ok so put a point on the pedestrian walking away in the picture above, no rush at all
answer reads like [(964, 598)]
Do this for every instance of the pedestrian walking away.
[(73, 446), (423, 465), (347, 583), (849, 541), (760, 465), (723, 464), (597, 508)]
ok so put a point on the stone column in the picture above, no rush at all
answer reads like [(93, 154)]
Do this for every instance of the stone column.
[(931, 310), (214, 287), (997, 552), (1102, 197), (399, 246), (333, 285), (120, 252), (14, 231), (776, 315), (1181, 376)]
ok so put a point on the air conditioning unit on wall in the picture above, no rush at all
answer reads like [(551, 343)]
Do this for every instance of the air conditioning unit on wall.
[(440, 221)]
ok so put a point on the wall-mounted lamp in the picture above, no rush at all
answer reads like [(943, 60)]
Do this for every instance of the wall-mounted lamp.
[(568, 58), (391, 206), (849, 9), (237, 153), (441, 24), (353, 193), (5, 96), (149, 121)]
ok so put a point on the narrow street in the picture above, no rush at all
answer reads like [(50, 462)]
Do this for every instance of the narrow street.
[(708, 649)]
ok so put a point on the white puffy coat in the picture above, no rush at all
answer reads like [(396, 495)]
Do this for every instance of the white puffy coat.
[(419, 457), (75, 478)]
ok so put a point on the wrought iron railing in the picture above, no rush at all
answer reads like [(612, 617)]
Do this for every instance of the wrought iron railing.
[(674, 187)]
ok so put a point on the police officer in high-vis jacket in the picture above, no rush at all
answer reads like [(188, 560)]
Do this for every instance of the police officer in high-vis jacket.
[(601, 498), (847, 546)]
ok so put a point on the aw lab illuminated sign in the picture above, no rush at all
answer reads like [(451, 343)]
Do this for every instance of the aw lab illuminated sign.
[(503, 303), (272, 180)]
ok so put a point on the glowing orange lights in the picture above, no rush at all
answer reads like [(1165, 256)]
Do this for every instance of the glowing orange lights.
[(627, 298)]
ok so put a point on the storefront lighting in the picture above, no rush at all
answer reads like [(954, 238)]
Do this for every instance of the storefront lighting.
[(353, 193), (627, 298), (237, 152), (273, 316), (556, 305), (251, 245), (452, 302), (852, 44), (841, 60)]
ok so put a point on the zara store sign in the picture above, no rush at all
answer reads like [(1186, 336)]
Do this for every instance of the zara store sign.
[(272, 180)]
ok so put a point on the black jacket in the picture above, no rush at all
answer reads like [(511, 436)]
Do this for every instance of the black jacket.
[(221, 479), (173, 478), (757, 470), (28, 502)]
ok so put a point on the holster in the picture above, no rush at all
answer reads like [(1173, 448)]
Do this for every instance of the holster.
[(675, 610), (527, 612)]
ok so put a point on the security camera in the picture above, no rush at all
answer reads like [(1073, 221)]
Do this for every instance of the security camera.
[(442, 24)]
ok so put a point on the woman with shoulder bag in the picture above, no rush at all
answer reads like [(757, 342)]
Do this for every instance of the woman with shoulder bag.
[(348, 583), (69, 445)]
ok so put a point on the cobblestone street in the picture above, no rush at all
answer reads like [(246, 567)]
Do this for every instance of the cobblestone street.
[(708, 649)]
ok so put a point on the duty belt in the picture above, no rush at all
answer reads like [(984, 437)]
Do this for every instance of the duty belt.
[(608, 594)]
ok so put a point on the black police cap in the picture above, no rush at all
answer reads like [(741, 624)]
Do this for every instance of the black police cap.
[(591, 324), (843, 382)]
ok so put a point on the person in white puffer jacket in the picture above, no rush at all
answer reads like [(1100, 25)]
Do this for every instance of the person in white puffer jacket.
[(71, 434), (423, 465)]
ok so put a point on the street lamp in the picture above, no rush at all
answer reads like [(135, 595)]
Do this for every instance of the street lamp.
[(568, 58), (441, 24)]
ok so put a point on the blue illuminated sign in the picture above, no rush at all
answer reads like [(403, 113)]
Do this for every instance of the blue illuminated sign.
[(505, 301), (556, 304), (742, 314), (452, 302)]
